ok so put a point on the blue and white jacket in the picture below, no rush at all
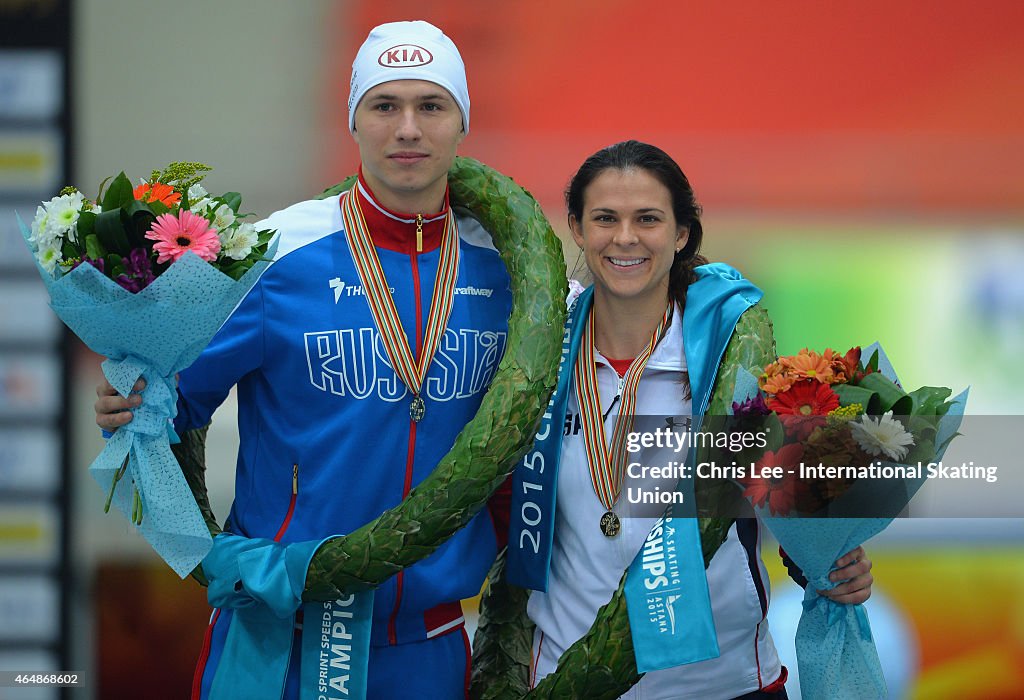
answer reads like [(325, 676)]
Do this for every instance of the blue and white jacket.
[(326, 439)]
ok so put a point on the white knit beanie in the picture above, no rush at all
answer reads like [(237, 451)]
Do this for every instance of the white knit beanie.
[(408, 51)]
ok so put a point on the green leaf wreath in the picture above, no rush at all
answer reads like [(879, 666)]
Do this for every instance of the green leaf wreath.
[(601, 665), (487, 449)]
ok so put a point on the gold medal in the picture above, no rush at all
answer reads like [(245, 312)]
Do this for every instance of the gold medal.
[(610, 524), (417, 409)]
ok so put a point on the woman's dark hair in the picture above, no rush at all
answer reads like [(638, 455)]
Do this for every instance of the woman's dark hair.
[(634, 155)]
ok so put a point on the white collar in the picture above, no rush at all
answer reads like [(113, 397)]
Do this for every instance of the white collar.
[(669, 354), (372, 200)]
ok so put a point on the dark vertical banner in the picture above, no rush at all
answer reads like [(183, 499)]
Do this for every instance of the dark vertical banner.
[(35, 162)]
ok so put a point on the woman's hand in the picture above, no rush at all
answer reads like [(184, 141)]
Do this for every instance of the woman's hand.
[(112, 409), (855, 573)]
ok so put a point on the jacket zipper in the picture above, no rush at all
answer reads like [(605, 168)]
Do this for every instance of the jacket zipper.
[(618, 395), (291, 504), (410, 455)]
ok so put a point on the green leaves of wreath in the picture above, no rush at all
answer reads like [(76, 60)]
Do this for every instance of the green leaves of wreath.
[(486, 451)]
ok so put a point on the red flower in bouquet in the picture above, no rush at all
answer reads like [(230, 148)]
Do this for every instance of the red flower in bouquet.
[(784, 494), (804, 406), (157, 192), (176, 235)]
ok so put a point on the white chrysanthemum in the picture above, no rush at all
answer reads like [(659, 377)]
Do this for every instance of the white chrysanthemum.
[(885, 436), (238, 241), (64, 213), (223, 217), (49, 257), (40, 228)]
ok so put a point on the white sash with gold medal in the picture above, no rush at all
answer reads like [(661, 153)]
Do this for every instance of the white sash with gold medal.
[(382, 306), (608, 463)]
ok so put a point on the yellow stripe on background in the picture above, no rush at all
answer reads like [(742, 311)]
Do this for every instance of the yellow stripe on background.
[(28, 534), (20, 532), (22, 161)]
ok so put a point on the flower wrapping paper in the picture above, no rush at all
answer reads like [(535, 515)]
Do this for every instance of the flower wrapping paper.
[(835, 649), (152, 334)]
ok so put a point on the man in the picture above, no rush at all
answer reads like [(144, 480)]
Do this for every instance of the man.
[(346, 401)]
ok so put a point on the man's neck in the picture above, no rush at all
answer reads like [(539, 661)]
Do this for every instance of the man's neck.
[(428, 201), (403, 232)]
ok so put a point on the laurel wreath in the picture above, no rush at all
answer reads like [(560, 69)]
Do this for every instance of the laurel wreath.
[(486, 450), (601, 665)]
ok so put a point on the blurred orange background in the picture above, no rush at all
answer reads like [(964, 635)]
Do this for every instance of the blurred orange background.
[(771, 106)]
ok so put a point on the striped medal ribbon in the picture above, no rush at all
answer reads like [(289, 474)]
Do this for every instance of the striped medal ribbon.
[(382, 306), (608, 465)]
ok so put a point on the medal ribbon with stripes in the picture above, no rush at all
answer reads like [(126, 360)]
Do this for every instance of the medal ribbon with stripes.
[(382, 306), (608, 464)]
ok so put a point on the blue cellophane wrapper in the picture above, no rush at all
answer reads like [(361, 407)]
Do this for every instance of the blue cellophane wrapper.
[(152, 334), (835, 649)]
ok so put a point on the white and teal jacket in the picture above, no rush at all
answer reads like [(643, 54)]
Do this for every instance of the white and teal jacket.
[(583, 567)]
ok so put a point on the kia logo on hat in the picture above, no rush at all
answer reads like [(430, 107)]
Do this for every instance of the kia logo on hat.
[(405, 56)]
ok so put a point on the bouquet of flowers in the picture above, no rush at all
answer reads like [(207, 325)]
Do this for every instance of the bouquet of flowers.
[(846, 449), (145, 275)]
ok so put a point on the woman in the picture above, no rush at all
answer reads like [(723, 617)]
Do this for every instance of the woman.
[(633, 214)]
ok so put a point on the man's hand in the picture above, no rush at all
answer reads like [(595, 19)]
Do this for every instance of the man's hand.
[(112, 409), (855, 572)]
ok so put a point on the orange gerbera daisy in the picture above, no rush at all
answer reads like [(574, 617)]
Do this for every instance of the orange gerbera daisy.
[(157, 192), (808, 364)]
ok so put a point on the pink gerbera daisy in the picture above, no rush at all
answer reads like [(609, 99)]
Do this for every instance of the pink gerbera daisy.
[(175, 235)]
